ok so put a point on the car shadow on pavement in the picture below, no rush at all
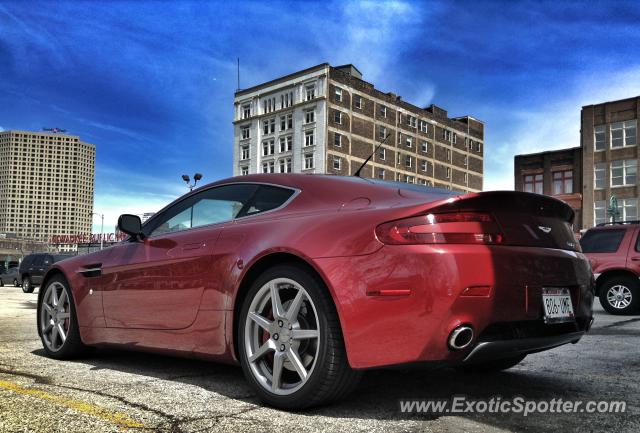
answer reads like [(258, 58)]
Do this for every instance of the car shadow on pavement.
[(378, 395)]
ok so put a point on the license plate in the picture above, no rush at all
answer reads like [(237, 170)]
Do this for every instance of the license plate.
[(557, 305)]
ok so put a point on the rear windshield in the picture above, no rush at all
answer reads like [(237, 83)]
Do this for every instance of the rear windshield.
[(601, 241)]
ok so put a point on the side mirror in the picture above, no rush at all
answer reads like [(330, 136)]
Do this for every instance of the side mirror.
[(131, 225)]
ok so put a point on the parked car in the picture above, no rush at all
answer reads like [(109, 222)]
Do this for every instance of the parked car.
[(614, 252), (34, 266), (306, 280), (10, 276)]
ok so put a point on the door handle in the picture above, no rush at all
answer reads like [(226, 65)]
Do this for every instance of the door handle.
[(194, 246)]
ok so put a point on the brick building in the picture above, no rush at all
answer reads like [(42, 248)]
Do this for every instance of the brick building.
[(557, 173), (329, 120), (610, 159)]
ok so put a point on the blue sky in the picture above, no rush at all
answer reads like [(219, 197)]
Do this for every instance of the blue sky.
[(151, 83)]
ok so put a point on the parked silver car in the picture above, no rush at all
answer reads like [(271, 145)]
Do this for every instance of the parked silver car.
[(9, 277)]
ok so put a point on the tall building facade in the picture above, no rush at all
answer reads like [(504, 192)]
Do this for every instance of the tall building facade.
[(329, 120), (556, 173), (46, 185), (608, 135)]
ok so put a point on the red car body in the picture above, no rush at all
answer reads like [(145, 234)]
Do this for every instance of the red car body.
[(180, 292)]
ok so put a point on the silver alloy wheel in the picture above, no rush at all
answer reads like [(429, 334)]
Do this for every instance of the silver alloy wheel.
[(282, 339), (55, 316), (619, 296)]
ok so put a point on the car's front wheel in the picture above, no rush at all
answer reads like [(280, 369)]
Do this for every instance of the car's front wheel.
[(620, 295), (27, 287), (57, 320), (290, 341)]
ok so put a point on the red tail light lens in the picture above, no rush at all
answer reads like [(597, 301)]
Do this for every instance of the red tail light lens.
[(448, 228)]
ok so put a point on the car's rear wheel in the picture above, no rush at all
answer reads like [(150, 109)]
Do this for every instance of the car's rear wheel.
[(57, 320), (290, 342), (494, 365), (27, 286), (620, 295)]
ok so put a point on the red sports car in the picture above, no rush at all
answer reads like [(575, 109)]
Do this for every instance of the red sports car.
[(306, 280)]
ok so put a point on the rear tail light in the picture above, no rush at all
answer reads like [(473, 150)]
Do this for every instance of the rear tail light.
[(445, 228)]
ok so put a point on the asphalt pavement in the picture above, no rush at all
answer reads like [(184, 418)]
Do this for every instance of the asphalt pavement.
[(114, 391)]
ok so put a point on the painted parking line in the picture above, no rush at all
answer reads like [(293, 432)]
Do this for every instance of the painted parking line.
[(117, 418)]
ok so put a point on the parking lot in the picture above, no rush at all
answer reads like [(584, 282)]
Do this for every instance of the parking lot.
[(113, 390)]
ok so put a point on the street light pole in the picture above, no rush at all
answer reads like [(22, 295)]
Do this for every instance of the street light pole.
[(101, 215), (196, 178)]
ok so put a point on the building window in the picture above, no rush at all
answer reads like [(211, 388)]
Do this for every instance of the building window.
[(533, 183), (381, 173), (412, 121), (423, 165), (269, 167), (309, 138), (455, 138), (286, 143), (599, 171), (599, 137), (478, 146), (563, 182), (337, 163), (268, 126), (448, 173), (599, 212), (268, 147), (623, 134), (244, 170), (286, 122), (424, 146), (308, 161), (244, 152), (337, 96), (423, 125), (409, 179), (246, 132), (382, 153), (408, 161), (382, 132), (382, 110), (337, 140), (623, 172), (246, 111), (466, 178), (310, 92), (449, 155), (628, 209), (446, 135), (309, 116), (337, 117), (285, 165), (357, 101), (409, 142)]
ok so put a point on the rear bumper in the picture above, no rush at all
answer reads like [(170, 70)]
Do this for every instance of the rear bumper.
[(489, 350), (428, 282)]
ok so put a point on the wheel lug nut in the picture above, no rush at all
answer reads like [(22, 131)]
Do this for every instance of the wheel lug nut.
[(282, 348), (276, 336), (280, 323)]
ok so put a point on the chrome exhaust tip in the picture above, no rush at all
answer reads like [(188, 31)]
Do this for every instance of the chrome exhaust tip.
[(460, 338)]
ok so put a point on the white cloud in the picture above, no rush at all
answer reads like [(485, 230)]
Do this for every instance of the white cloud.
[(1, 129), (112, 206), (556, 124)]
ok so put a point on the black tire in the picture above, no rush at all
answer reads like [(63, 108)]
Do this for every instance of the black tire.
[(73, 346), (1, 283), (27, 286), (626, 284), (492, 366), (332, 378)]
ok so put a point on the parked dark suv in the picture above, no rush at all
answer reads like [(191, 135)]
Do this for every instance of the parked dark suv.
[(614, 252), (34, 266)]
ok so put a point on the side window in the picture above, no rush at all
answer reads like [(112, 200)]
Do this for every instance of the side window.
[(601, 241), (268, 198), (211, 206)]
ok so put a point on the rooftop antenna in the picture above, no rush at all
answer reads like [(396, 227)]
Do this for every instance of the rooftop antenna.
[(238, 88), (357, 173)]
